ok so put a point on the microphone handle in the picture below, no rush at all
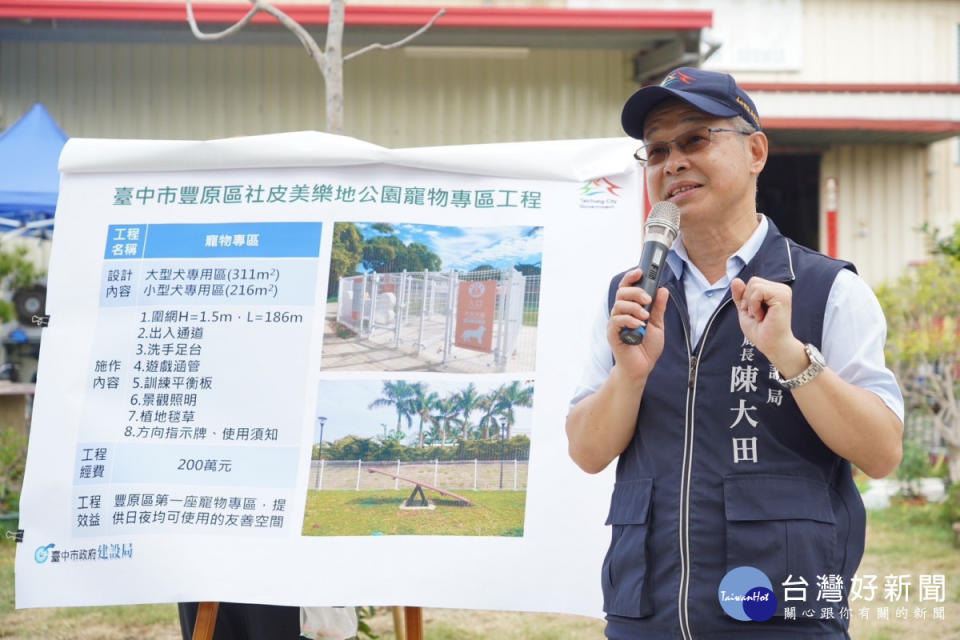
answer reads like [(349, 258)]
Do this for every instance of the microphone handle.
[(652, 261)]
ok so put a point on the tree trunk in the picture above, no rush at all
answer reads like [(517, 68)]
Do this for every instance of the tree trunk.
[(333, 67), (953, 463)]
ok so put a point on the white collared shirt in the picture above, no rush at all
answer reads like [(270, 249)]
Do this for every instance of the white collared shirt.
[(854, 329)]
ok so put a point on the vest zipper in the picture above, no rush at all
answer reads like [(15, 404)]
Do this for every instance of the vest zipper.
[(687, 469)]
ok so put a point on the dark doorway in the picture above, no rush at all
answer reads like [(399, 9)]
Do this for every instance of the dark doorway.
[(789, 193)]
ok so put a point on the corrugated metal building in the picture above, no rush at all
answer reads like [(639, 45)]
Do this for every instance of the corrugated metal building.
[(861, 94)]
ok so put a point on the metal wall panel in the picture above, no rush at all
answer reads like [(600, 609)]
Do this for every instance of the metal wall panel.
[(391, 98), (882, 200), (399, 99), (874, 41)]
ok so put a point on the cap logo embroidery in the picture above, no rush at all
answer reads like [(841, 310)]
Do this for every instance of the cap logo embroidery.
[(677, 75), (747, 108)]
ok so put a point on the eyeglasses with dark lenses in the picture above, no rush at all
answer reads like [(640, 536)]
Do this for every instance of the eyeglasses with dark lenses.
[(692, 141)]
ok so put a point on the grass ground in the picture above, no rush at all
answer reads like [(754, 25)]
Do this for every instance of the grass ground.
[(364, 513), (905, 539)]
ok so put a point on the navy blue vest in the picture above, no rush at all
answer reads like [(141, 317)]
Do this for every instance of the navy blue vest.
[(723, 471)]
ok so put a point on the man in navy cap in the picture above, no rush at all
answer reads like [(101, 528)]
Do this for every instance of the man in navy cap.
[(759, 381)]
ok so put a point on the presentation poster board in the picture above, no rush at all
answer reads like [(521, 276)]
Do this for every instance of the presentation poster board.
[(259, 381)]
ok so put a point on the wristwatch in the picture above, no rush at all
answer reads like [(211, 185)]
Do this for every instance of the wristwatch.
[(817, 364)]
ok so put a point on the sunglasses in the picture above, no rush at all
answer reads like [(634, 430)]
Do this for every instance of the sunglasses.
[(650, 155)]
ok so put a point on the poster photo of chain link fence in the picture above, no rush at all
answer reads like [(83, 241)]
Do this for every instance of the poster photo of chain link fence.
[(420, 457), (413, 297)]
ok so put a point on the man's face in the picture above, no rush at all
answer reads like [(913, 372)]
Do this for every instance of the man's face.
[(710, 185)]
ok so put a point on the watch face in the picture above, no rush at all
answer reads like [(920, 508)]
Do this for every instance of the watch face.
[(816, 358)]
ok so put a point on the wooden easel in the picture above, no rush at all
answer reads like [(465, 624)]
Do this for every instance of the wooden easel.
[(207, 621)]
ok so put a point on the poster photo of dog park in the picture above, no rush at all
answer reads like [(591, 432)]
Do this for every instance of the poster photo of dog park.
[(435, 456), (417, 297)]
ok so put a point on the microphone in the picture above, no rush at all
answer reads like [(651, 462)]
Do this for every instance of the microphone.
[(660, 231)]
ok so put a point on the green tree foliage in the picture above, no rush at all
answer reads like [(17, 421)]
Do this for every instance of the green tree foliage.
[(386, 254), (914, 466), (13, 456), (383, 227), (528, 269), (420, 258), (438, 419), (345, 254), (446, 412), (944, 245), (382, 254), (422, 405), (468, 401), (923, 345), (16, 271), (481, 272), (371, 450), (398, 394)]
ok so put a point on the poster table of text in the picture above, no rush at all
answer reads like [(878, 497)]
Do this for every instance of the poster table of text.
[(227, 325)]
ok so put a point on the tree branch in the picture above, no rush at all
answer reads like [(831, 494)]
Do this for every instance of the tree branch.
[(229, 31), (302, 35), (258, 5), (398, 43)]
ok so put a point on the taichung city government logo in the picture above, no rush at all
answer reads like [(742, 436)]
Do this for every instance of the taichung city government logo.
[(746, 593), (42, 554), (599, 194)]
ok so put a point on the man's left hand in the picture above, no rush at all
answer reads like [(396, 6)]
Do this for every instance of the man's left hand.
[(765, 309)]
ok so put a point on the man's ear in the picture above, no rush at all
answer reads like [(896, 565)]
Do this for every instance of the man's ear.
[(758, 147)]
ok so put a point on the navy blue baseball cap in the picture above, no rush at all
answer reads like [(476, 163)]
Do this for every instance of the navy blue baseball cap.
[(711, 92)]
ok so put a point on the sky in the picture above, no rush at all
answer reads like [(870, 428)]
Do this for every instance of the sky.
[(463, 248), (344, 405)]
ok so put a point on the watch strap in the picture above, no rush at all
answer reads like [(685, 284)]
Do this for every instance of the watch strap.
[(812, 371)]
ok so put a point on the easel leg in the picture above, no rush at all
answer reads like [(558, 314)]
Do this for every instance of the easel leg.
[(414, 616), (206, 621), (398, 629)]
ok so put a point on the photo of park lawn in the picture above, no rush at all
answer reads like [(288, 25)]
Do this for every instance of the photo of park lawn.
[(419, 457), (364, 513)]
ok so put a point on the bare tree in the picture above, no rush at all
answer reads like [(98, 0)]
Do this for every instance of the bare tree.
[(329, 60)]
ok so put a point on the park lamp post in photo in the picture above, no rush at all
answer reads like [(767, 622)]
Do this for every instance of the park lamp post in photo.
[(323, 421), (502, 427)]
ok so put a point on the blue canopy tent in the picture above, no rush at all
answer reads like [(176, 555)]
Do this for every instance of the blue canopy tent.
[(29, 179)]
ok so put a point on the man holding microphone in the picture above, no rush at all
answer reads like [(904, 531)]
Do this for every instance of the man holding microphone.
[(759, 379)]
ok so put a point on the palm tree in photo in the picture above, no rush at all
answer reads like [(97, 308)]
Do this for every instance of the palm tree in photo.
[(446, 411), (422, 404), (396, 394), (468, 401), (515, 394), (432, 436), (488, 403)]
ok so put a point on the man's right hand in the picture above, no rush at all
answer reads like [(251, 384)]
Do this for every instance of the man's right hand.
[(636, 361), (601, 425)]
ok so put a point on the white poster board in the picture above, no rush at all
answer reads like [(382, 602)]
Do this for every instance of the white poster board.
[(190, 356)]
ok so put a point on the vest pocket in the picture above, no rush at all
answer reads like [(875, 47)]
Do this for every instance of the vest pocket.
[(626, 568), (784, 526)]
